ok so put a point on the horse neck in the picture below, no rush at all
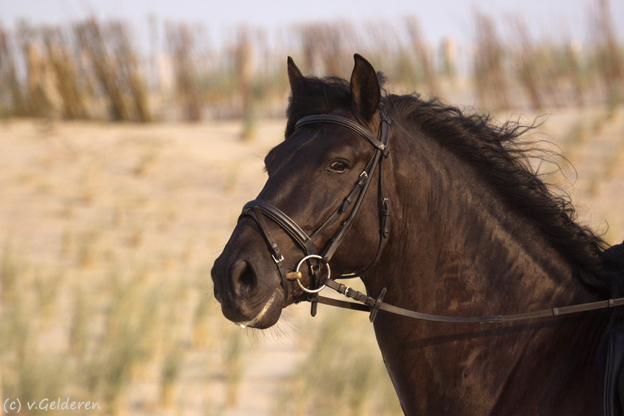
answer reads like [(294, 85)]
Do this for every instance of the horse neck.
[(452, 236), (456, 250)]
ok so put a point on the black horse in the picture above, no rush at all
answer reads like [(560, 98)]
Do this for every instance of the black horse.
[(472, 231)]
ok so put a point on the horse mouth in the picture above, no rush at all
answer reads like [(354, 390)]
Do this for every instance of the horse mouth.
[(257, 321)]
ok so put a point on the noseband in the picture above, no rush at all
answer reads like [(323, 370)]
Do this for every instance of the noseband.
[(258, 210)]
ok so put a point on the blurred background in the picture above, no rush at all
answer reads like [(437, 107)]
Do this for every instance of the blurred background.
[(131, 134)]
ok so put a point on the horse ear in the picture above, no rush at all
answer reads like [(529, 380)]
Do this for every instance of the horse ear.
[(365, 88), (296, 78)]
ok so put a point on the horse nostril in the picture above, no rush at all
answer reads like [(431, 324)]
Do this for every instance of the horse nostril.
[(243, 278)]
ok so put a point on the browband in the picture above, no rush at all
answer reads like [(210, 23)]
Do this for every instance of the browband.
[(345, 122)]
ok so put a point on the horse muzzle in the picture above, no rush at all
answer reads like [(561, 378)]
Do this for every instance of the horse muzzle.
[(247, 286), (245, 298)]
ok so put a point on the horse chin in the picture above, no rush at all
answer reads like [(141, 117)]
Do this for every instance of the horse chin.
[(268, 315)]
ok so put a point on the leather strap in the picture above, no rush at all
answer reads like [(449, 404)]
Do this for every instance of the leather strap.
[(284, 221), (345, 122), (277, 254), (370, 302), (381, 149), (343, 304)]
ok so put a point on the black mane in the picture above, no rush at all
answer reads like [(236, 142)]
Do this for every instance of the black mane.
[(498, 158)]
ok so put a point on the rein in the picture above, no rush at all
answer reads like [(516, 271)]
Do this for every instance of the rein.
[(374, 305), (258, 209)]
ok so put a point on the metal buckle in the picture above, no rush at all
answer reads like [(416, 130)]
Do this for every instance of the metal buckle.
[(278, 260)]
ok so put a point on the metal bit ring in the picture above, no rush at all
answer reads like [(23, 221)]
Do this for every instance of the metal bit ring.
[(311, 256)]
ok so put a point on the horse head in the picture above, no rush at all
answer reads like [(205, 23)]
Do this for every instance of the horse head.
[(318, 179)]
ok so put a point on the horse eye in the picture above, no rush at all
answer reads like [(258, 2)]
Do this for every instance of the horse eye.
[(338, 167)]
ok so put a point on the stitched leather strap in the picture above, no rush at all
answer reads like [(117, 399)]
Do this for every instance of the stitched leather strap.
[(345, 122), (284, 222), (277, 254), (370, 302)]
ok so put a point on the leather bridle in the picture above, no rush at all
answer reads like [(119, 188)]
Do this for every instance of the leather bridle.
[(258, 209)]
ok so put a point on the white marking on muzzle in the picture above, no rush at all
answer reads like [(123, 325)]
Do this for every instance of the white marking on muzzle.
[(260, 315)]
